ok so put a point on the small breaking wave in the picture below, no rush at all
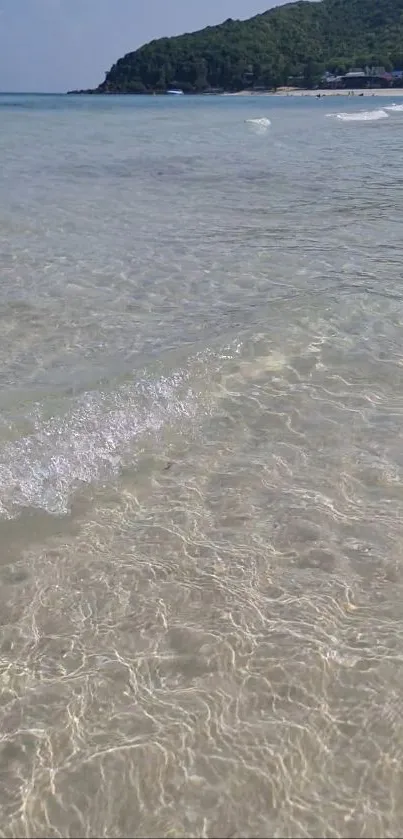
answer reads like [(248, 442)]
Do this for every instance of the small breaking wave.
[(393, 107), (260, 125), (90, 444), (361, 116)]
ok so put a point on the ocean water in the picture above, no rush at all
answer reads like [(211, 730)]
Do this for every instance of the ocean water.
[(201, 467)]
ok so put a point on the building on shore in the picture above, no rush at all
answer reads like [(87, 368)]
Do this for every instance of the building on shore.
[(361, 78)]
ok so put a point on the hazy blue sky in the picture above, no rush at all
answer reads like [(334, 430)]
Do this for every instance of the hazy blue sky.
[(54, 45)]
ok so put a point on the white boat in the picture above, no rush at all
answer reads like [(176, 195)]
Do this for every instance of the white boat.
[(175, 92)]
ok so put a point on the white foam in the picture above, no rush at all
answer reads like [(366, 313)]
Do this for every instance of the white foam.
[(259, 126), (393, 107), (261, 121), (90, 444), (361, 116)]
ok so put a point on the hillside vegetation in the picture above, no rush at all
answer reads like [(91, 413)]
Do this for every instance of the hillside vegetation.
[(296, 41)]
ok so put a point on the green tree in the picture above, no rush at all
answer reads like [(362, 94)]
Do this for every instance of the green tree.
[(313, 71), (301, 38)]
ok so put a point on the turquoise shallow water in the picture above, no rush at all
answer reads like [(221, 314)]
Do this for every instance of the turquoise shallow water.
[(201, 371)]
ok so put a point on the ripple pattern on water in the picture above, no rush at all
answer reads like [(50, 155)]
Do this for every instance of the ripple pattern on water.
[(201, 470)]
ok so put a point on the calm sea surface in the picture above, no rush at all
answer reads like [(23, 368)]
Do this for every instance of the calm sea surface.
[(201, 467)]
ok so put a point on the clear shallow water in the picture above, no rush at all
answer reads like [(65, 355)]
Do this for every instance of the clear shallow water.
[(201, 401)]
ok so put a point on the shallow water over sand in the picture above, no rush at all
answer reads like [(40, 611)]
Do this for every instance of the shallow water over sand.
[(201, 485)]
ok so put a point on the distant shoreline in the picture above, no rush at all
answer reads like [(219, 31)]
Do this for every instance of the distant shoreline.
[(297, 91), (282, 91)]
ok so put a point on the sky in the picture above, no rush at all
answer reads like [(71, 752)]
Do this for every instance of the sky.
[(58, 45)]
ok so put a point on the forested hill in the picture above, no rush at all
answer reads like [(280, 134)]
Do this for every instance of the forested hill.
[(299, 40)]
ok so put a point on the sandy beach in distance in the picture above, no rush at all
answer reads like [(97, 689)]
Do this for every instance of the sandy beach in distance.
[(296, 91), (388, 91)]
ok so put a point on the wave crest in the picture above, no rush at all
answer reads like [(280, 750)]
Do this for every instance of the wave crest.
[(259, 125), (361, 116), (89, 444)]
